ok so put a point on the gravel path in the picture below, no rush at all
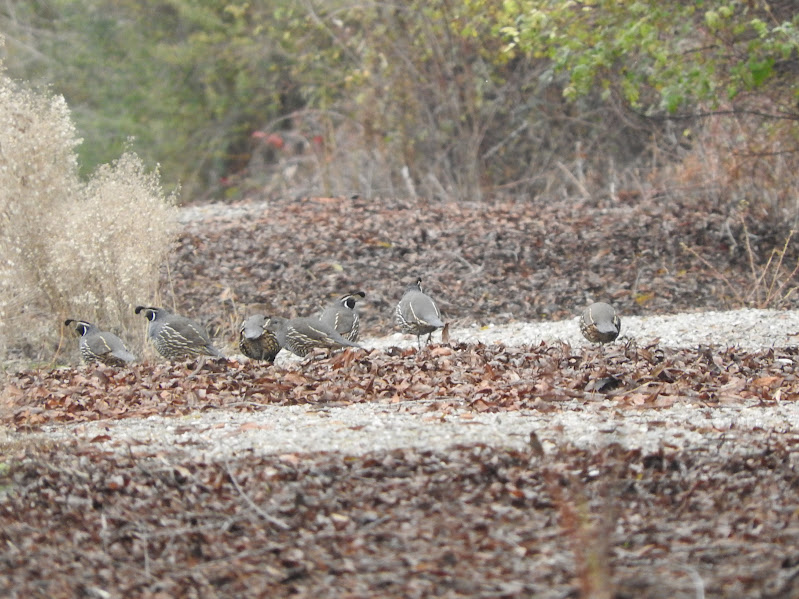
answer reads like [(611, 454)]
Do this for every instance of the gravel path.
[(361, 428), (747, 329)]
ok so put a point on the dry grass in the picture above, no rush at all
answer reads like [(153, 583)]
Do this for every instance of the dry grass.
[(747, 167), (69, 248), (772, 283)]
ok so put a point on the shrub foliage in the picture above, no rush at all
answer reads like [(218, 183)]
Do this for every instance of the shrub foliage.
[(436, 98)]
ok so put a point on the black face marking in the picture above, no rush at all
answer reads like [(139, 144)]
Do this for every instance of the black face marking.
[(350, 303)]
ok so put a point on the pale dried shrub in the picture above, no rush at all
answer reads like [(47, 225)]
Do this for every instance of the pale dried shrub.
[(68, 248), (38, 168), (117, 234)]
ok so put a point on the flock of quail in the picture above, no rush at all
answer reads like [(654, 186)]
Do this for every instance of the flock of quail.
[(261, 337)]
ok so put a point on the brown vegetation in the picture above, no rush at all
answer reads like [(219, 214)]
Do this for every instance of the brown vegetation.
[(68, 248)]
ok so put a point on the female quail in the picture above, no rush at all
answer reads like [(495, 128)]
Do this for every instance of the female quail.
[(417, 313), (255, 341), (599, 323), (301, 335), (177, 337), (100, 346), (342, 316)]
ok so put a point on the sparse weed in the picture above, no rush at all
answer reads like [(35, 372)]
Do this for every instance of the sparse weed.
[(771, 284)]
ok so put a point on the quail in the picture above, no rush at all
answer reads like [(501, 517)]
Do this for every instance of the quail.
[(255, 341), (100, 346), (177, 337), (599, 323), (301, 335), (342, 316), (417, 313)]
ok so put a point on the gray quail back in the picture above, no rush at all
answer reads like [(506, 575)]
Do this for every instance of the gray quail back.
[(177, 337), (100, 346), (417, 314), (302, 335), (255, 341), (342, 316), (599, 323)]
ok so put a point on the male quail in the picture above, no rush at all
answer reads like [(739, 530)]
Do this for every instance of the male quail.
[(301, 335), (342, 316), (177, 337), (599, 323), (417, 313), (255, 341), (100, 346)]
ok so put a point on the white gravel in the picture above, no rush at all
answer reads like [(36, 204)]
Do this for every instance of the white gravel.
[(747, 329), (361, 428)]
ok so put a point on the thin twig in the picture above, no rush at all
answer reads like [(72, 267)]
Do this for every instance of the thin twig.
[(457, 256), (750, 254), (574, 179), (271, 519), (790, 116), (699, 584), (727, 282), (505, 140), (771, 292)]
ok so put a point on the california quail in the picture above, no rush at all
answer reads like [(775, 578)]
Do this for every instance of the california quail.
[(177, 337), (255, 341), (342, 316), (417, 313), (599, 323), (100, 346), (301, 335)]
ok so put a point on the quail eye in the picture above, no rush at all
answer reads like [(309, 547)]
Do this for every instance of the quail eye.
[(350, 303)]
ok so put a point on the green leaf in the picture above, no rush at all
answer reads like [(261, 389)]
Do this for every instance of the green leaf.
[(760, 71)]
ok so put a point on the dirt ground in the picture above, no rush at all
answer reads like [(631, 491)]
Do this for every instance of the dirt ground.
[(713, 519)]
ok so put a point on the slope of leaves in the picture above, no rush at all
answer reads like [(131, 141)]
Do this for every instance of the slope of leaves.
[(472, 522), (488, 262), (484, 378)]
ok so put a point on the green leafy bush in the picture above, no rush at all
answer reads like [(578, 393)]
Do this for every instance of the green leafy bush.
[(660, 56), (369, 98), (430, 104), (68, 248)]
